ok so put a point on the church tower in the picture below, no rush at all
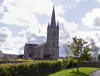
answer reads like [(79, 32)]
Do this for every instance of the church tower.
[(53, 37)]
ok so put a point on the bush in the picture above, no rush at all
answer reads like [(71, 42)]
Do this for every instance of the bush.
[(36, 68), (99, 57)]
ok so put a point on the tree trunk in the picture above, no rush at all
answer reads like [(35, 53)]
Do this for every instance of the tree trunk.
[(77, 65), (73, 66)]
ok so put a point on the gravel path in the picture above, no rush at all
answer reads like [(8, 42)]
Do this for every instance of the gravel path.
[(95, 73)]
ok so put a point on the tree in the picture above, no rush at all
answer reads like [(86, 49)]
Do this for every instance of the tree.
[(67, 53), (20, 56), (85, 56), (71, 62), (67, 50), (94, 49), (77, 47), (99, 57)]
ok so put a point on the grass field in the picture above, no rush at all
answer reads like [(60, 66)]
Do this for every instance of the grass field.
[(83, 71)]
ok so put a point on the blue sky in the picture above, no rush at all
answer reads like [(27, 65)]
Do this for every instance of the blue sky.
[(25, 21)]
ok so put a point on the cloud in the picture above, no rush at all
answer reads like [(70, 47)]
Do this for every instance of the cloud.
[(87, 35), (66, 29), (98, 0), (97, 21), (9, 43), (59, 10), (77, 1), (39, 35), (22, 12), (1, 10), (4, 34), (73, 3), (13, 45), (34, 37), (66, 25), (6, 40), (92, 19)]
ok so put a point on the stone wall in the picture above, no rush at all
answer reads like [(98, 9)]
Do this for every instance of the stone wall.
[(89, 64)]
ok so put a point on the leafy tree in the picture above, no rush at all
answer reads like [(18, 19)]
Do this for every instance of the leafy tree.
[(71, 61), (94, 49), (67, 58), (99, 57), (77, 47), (67, 50), (85, 56), (21, 56)]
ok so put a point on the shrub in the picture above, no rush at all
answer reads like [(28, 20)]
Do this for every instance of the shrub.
[(99, 57), (36, 68)]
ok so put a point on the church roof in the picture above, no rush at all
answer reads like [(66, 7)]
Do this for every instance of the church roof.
[(42, 44), (33, 45)]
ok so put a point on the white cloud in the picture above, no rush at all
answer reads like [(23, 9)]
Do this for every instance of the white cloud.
[(13, 45), (22, 12), (39, 30), (87, 35), (9, 43), (4, 34), (66, 29), (59, 10), (69, 26), (92, 19), (98, 0), (1, 9), (79, 0)]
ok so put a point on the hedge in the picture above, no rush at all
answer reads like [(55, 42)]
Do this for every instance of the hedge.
[(36, 68)]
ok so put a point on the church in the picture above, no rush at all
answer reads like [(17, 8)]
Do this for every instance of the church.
[(49, 49)]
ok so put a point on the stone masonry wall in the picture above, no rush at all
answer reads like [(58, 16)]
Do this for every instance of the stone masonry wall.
[(89, 64)]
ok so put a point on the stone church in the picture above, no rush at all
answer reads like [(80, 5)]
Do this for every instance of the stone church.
[(49, 49)]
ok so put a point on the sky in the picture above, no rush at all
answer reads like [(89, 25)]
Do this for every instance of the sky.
[(25, 21)]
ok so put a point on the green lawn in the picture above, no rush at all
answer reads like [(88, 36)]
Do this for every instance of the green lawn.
[(83, 71)]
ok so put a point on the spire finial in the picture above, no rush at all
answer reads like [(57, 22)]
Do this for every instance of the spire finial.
[(53, 8), (57, 23), (53, 21)]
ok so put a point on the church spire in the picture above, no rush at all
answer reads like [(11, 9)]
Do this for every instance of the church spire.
[(53, 21)]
